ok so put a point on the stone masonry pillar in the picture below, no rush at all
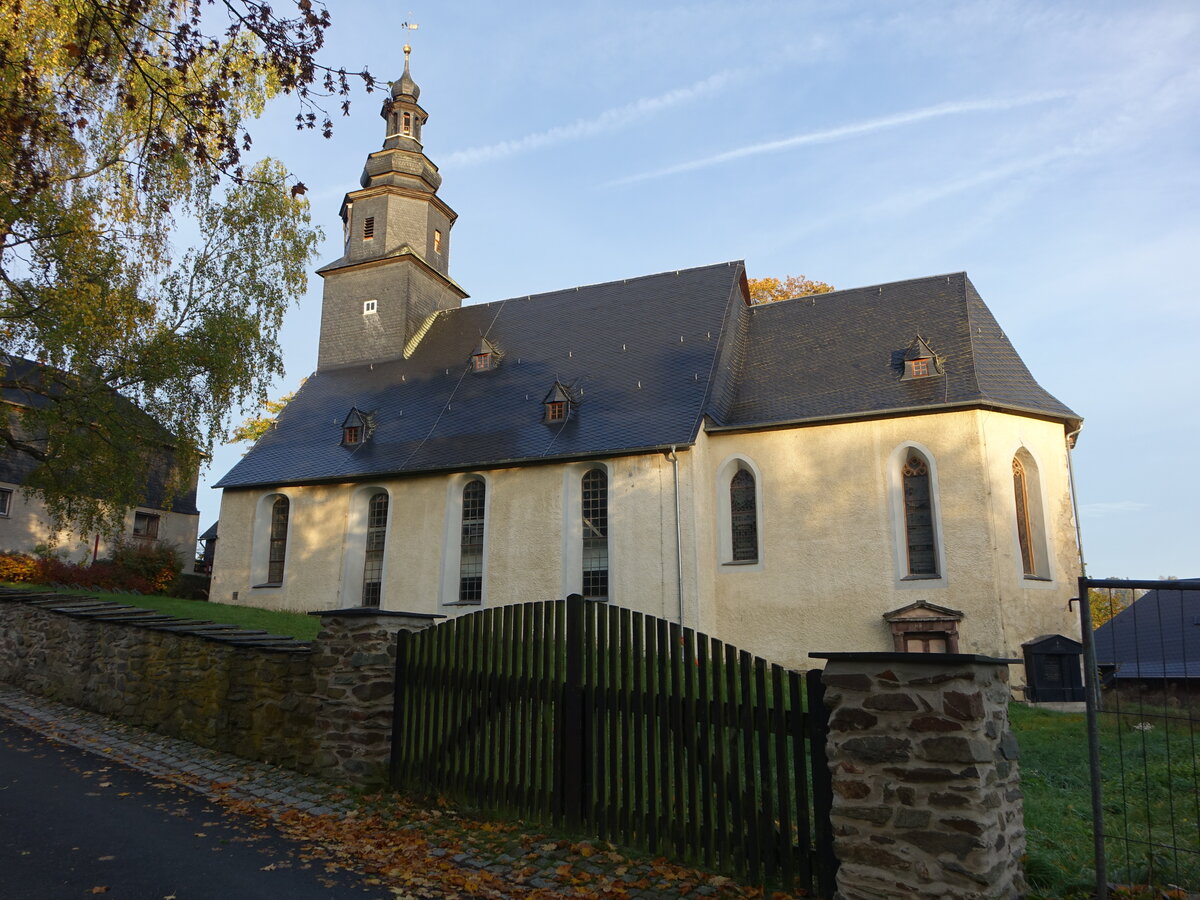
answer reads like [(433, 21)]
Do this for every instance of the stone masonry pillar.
[(926, 793), (354, 670)]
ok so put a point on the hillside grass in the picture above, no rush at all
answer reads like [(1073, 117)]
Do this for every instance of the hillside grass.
[(1151, 795), (298, 625)]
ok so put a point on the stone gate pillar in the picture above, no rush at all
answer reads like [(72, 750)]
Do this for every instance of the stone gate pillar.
[(354, 670), (926, 792)]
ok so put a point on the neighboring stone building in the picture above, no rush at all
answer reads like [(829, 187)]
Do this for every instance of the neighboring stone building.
[(780, 476), (25, 525)]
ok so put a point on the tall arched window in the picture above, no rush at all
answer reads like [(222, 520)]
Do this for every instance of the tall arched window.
[(595, 533), (743, 516), (470, 560), (377, 514), (919, 516), (278, 541), (1024, 531)]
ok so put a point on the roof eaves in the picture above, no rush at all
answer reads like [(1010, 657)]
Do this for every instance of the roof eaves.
[(897, 412)]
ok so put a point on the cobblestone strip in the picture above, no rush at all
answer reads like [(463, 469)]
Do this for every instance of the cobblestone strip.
[(206, 771)]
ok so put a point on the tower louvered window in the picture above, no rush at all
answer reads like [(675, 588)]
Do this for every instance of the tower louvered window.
[(470, 564), (369, 228), (743, 516), (918, 517), (595, 533), (377, 513)]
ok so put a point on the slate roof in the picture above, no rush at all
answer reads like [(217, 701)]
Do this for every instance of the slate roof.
[(638, 355), (650, 360), (842, 354), (1156, 636), (16, 467)]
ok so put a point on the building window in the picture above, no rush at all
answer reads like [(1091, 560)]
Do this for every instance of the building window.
[(351, 434), (1024, 531), (743, 516), (920, 368), (377, 514), (406, 123), (470, 559), (369, 228), (5, 502), (370, 306), (481, 362), (145, 527), (927, 642), (918, 516), (556, 410), (595, 533), (437, 241), (278, 540)]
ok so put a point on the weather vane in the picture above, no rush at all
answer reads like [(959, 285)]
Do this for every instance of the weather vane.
[(408, 26)]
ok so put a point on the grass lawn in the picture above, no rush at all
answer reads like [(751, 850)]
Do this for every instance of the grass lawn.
[(1151, 793), (298, 625)]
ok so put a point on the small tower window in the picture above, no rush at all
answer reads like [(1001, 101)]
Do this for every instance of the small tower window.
[(437, 241), (369, 229), (406, 123), (370, 306)]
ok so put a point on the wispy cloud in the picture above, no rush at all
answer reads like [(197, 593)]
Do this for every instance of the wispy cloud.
[(606, 121), (842, 132), (1116, 506)]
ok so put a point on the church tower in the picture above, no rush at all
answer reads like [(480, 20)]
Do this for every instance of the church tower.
[(395, 267)]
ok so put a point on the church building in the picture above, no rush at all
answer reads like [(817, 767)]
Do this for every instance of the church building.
[(868, 469)]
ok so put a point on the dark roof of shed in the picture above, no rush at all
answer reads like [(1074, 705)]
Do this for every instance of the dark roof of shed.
[(1156, 636), (842, 354), (648, 359)]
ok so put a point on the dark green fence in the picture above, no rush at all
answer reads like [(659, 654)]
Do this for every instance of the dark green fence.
[(603, 720)]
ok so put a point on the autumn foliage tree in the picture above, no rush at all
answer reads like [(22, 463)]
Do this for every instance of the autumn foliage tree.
[(254, 427), (121, 122), (768, 290)]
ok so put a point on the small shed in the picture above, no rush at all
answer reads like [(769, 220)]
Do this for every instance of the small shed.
[(1053, 670)]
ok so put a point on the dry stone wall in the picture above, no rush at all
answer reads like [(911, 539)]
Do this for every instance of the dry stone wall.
[(323, 707), (926, 790)]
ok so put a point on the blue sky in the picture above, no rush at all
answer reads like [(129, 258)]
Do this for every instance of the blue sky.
[(1050, 149)]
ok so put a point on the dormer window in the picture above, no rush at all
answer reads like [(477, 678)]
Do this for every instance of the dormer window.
[(558, 403), (486, 356), (370, 306), (920, 361), (357, 428), (369, 228)]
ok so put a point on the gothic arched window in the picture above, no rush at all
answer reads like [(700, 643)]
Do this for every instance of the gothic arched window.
[(743, 516), (595, 533), (277, 552), (377, 514), (470, 559), (919, 516)]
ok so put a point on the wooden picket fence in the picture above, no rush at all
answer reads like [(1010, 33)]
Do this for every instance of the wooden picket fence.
[(606, 721)]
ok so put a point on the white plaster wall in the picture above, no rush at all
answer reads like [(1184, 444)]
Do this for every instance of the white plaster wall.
[(27, 526), (827, 571), (829, 568)]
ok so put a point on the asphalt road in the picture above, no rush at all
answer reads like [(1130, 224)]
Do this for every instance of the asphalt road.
[(74, 825)]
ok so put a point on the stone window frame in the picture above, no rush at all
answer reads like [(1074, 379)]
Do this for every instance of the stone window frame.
[(1035, 512), (451, 588), (727, 550), (900, 537), (267, 541)]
